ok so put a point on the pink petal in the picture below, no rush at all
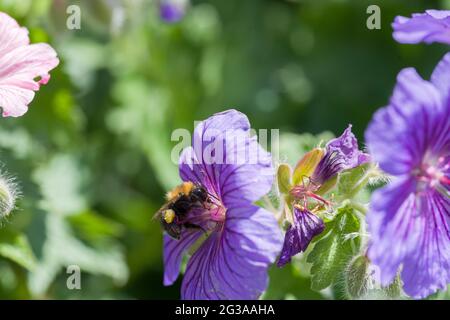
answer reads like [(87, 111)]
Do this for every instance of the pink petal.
[(23, 67), (11, 34)]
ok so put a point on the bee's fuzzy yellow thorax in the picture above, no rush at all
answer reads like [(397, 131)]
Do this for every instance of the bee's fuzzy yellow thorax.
[(184, 188)]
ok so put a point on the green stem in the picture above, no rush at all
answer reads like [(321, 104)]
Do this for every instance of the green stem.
[(360, 211), (358, 206)]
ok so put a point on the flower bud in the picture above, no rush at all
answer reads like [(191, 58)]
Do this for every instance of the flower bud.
[(284, 178), (362, 281), (8, 195), (357, 277)]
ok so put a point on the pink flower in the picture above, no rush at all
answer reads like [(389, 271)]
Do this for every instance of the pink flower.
[(23, 67)]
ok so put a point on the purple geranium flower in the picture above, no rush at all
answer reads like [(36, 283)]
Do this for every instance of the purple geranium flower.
[(431, 26), (172, 11), (238, 240), (409, 219), (340, 154)]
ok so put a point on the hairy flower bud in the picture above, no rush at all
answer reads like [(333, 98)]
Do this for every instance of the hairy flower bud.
[(362, 281), (357, 278), (8, 194)]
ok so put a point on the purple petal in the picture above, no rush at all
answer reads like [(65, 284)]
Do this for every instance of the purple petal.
[(189, 167), (411, 229), (172, 10), (428, 27), (233, 264), (341, 153), (174, 251), (226, 160), (248, 173), (441, 78), (306, 226), (427, 269), (393, 229), (347, 147), (415, 123)]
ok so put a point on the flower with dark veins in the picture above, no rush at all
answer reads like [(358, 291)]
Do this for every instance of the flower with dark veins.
[(409, 219), (306, 225), (341, 154), (236, 241), (311, 175)]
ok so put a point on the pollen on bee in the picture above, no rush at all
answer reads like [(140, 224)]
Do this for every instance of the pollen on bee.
[(169, 215)]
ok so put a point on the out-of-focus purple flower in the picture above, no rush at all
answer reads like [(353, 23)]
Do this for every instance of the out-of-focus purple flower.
[(242, 239), (172, 11), (409, 219), (431, 26), (340, 154), (306, 226)]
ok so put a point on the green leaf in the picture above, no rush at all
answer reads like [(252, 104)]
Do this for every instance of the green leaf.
[(60, 182), (95, 227), (142, 119), (288, 283), (334, 248), (18, 249), (441, 295), (351, 181), (62, 249)]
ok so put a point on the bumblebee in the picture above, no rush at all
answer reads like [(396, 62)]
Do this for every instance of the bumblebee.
[(180, 201)]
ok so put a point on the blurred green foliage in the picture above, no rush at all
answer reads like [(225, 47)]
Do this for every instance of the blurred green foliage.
[(92, 155)]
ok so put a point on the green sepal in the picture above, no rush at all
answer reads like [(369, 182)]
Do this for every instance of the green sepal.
[(351, 181), (306, 166), (327, 186), (284, 178)]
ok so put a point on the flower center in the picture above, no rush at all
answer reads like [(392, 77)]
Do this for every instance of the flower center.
[(217, 212), (302, 193), (209, 216), (434, 174)]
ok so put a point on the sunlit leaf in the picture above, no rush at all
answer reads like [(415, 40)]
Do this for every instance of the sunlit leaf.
[(18, 250), (334, 248)]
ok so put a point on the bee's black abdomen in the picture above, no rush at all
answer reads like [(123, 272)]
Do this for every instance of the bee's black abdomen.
[(182, 205)]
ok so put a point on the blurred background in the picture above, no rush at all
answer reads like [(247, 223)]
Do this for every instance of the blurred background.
[(92, 154)]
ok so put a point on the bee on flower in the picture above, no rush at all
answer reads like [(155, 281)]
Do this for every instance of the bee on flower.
[(231, 241)]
